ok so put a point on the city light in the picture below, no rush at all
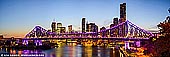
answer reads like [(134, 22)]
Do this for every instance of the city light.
[(120, 38)]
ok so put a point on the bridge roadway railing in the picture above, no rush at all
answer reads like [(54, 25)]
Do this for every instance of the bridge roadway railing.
[(142, 39)]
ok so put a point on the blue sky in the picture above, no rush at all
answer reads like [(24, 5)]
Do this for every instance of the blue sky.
[(17, 17)]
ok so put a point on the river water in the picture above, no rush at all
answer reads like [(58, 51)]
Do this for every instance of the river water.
[(68, 51)]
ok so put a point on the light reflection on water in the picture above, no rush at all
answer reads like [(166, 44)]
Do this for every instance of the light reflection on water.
[(69, 51)]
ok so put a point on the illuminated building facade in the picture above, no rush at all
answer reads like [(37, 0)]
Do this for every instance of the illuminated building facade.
[(62, 29), (91, 27), (123, 12), (114, 32), (70, 28), (53, 26), (59, 25), (123, 28), (103, 33), (115, 22), (83, 24)]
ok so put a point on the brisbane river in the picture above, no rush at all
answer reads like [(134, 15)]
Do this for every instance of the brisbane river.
[(69, 51)]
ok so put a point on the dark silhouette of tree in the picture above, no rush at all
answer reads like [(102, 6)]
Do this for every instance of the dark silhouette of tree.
[(161, 45), (165, 27)]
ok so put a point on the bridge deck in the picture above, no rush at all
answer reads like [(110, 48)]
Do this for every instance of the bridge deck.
[(80, 38)]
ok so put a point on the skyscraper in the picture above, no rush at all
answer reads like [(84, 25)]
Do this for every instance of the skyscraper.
[(123, 28), (83, 24), (123, 12), (53, 26)]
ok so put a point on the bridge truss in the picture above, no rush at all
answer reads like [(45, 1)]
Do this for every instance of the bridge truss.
[(123, 30)]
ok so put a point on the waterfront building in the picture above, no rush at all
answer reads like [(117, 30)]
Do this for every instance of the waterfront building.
[(58, 27), (62, 29), (91, 27), (123, 28), (70, 28), (53, 26), (115, 22), (83, 24), (107, 33), (123, 12), (103, 32), (95, 28), (114, 32)]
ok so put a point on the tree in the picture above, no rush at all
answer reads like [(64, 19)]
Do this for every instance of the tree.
[(161, 45), (165, 27)]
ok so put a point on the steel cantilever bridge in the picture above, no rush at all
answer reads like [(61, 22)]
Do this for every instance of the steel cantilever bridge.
[(131, 32)]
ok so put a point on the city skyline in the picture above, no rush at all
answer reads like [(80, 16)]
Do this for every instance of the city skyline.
[(26, 14)]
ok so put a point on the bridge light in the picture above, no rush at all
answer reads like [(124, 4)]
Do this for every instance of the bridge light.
[(153, 39)]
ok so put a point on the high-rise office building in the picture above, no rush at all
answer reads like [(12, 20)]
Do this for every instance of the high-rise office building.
[(87, 27), (115, 21), (95, 28), (103, 33), (123, 12), (83, 24), (62, 29), (53, 26), (59, 25), (123, 28), (70, 28), (114, 32), (91, 27)]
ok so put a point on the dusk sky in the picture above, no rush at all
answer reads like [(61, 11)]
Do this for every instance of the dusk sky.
[(18, 17)]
